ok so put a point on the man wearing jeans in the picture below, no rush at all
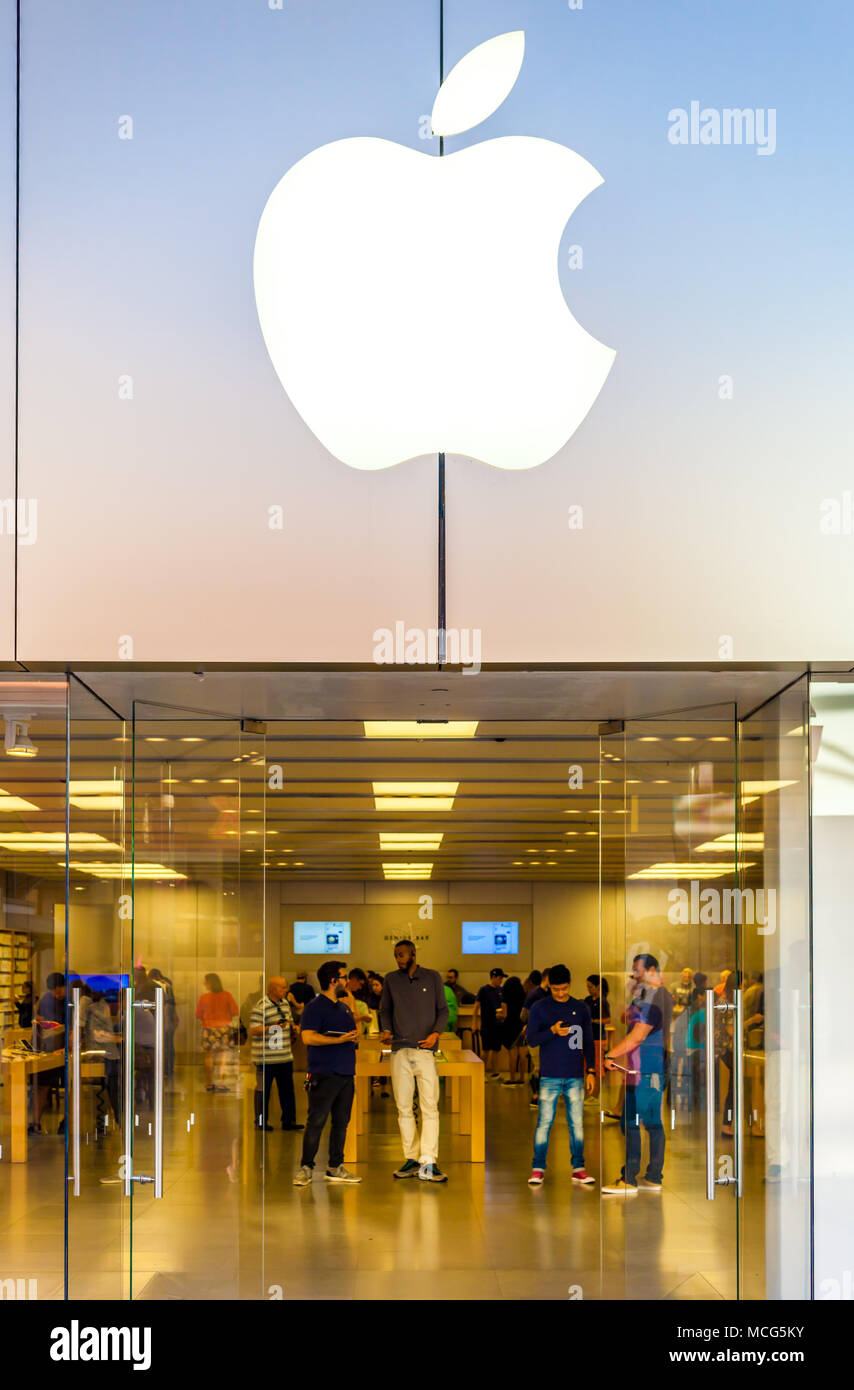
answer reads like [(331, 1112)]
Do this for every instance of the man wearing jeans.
[(414, 1013), (329, 1033), (645, 1048), (560, 1027)]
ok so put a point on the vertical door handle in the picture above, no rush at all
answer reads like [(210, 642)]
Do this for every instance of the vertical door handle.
[(710, 1094), (156, 1007), (127, 1031), (713, 1006), (159, 1087), (738, 1092), (73, 1045)]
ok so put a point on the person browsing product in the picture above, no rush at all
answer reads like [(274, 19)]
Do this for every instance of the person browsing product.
[(561, 1028), (329, 1032)]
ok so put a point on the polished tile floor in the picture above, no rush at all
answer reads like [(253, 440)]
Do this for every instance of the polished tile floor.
[(231, 1225)]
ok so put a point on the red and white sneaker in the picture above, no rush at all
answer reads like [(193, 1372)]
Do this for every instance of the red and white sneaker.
[(582, 1177), (536, 1178)]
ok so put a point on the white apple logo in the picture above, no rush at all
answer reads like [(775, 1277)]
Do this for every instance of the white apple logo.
[(411, 304)]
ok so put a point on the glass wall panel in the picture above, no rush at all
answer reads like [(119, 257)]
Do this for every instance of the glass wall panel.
[(99, 923), (667, 934), (198, 954), (33, 728), (774, 855)]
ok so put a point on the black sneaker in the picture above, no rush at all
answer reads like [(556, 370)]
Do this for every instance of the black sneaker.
[(409, 1169), (293, 1126), (431, 1172)]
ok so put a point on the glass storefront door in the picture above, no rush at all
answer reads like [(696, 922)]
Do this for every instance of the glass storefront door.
[(775, 883), (669, 1120), (705, 866), (198, 951)]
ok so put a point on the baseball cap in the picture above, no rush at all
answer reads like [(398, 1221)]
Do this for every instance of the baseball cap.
[(497, 971)]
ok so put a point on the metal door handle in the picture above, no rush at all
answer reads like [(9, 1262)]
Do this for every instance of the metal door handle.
[(159, 1064), (738, 1092), (712, 1005), (74, 1047), (710, 1095), (127, 1006)]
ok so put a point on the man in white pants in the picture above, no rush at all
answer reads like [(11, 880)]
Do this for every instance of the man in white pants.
[(414, 1013)]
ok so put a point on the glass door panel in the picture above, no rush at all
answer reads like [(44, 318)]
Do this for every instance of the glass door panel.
[(33, 752), (774, 773), (668, 934), (198, 957), (99, 926)]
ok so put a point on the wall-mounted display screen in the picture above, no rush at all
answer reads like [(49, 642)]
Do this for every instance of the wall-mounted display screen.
[(490, 938), (321, 938)]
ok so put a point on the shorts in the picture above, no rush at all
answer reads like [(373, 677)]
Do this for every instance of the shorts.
[(54, 1076), (491, 1039), (216, 1039)]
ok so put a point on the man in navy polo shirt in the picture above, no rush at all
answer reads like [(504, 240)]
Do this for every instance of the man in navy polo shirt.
[(560, 1027), (329, 1033)]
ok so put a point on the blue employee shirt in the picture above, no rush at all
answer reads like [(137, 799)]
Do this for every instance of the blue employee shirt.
[(562, 1057), (321, 1015)]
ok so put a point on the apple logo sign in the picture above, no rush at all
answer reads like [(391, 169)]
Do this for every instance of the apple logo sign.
[(411, 304)]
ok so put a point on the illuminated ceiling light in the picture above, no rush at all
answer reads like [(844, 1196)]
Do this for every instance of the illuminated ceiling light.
[(414, 796), (105, 794), (649, 738), (154, 739), (727, 843), (675, 870), (8, 802), (684, 738), (403, 870), (228, 780), (199, 781), (518, 863), (18, 743), (719, 738), (190, 739), (140, 871), (392, 839), (661, 782), (49, 841), (420, 728), (762, 788), (551, 863)]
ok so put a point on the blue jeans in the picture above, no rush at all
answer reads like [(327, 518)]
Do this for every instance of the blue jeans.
[(551, 1089), (643, 1107)]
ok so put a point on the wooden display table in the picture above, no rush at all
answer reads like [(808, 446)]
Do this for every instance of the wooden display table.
[(20, 1068), (465, 1070)]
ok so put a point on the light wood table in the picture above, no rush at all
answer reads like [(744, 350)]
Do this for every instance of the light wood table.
[(465, 1070), (20, 1068)]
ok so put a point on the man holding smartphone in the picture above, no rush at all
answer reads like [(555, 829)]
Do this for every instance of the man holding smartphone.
[(414, 1013), (560, 1027), (329, 1033)]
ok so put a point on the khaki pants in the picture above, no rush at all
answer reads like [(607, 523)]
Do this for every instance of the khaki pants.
[(407, 1064)]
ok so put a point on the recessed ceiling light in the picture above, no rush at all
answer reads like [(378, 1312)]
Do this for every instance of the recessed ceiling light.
[(418, 728), (155, 740), (8, 802)]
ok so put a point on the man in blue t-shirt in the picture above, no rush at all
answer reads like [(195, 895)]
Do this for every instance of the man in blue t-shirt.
[(328, 1030), (645, 1049), (561, 1028)]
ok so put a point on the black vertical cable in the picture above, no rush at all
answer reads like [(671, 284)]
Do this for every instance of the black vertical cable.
[(441, 545)]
